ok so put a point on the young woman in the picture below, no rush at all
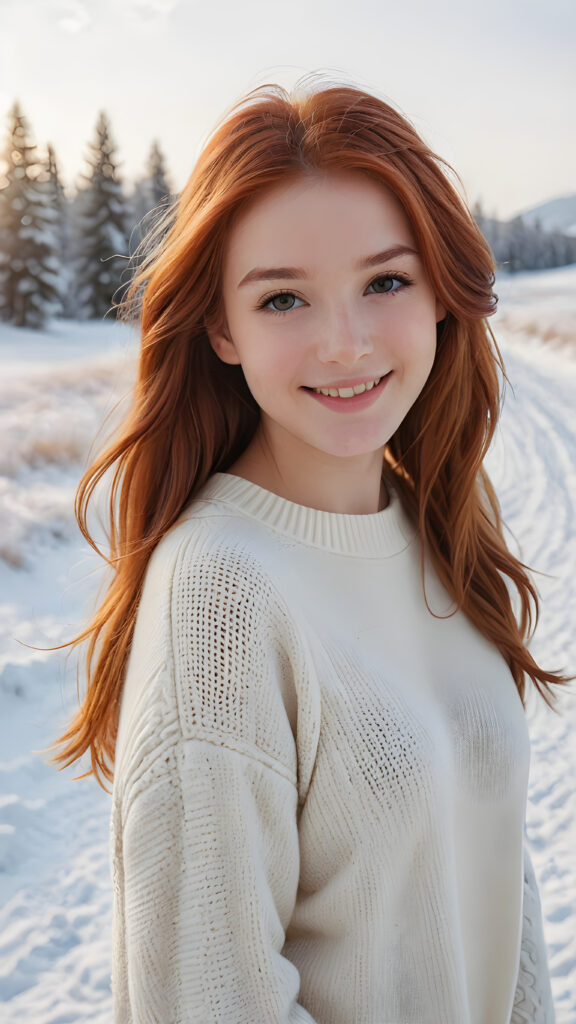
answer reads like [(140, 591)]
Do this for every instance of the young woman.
[(307, 672)]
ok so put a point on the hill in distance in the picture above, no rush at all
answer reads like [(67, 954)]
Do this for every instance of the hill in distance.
[(554, 215)]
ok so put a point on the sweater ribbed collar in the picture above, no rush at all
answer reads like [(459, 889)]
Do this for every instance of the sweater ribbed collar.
[(374, 535)]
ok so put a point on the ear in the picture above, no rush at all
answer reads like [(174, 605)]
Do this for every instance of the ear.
[(223, 345), (440, 311)]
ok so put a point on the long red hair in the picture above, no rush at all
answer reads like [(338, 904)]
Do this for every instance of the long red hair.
[(193, 415)]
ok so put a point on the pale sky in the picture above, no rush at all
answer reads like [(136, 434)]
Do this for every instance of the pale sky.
[(490, 84)]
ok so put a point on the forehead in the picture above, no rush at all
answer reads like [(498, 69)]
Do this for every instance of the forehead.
[(316, 214)]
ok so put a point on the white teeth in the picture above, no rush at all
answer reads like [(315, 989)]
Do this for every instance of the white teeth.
[(358, 389)]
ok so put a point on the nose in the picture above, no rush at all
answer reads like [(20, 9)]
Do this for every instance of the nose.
[(342, 338)]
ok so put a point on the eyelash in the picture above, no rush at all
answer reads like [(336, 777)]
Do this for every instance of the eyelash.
[(405, 282)]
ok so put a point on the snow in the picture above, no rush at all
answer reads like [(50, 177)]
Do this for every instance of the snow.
[(57, 386), (539, 305)]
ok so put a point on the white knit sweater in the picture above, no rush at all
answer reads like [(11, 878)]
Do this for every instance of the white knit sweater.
[(319, 800)]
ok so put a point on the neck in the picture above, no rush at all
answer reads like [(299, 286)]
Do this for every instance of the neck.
[(328, 484)]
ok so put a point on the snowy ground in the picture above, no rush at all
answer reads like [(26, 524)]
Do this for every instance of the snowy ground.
[(56, 388)]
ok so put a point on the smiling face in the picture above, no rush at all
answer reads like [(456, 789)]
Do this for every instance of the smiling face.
[(323, 287)]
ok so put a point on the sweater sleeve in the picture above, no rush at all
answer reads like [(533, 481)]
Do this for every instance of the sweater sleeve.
[(533, 998), (206, 859)]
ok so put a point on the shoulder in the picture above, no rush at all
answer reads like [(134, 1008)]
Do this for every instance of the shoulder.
[(210, 546), (217, 560), (216, 651), (233, 638)]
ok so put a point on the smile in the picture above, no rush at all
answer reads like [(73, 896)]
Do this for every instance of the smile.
[(358, 389), (350, 399)]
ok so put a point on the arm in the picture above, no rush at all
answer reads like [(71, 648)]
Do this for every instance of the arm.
[(206, 845), (533, 998), (210, 872)]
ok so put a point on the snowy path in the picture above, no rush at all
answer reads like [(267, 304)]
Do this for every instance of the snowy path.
[(54, 880), (533, 466)]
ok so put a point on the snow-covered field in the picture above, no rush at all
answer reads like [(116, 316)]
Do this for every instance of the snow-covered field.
[(55, 389)]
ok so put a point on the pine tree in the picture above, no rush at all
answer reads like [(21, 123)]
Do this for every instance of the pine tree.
[(159, 186), (29, 292), (65, 230), (58, 201), (102, 242), (151, 198), (55, 189)]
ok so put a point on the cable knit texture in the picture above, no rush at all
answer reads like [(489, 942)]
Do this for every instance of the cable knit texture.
[(320, 788), (533, 999)]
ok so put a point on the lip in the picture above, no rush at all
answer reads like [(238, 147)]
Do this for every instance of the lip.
[(354, 404), (350, 383)]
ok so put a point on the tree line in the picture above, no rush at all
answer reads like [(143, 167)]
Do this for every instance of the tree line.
[(68, 256), (518, 245)]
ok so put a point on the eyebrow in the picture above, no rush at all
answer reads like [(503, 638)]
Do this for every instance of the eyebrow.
[(299, 273)]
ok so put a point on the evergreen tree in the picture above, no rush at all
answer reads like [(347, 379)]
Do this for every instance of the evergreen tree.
[(58, 201), (29, 291), (102, 241), (55, 190), (158, 182), (66, 231), (54, 177), (517, 245), (152, 196)]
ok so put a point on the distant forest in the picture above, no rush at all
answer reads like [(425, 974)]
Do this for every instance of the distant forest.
[(63, 256), (517, 245)]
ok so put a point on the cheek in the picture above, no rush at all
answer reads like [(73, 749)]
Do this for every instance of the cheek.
[(276, 359), (414, 339)]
